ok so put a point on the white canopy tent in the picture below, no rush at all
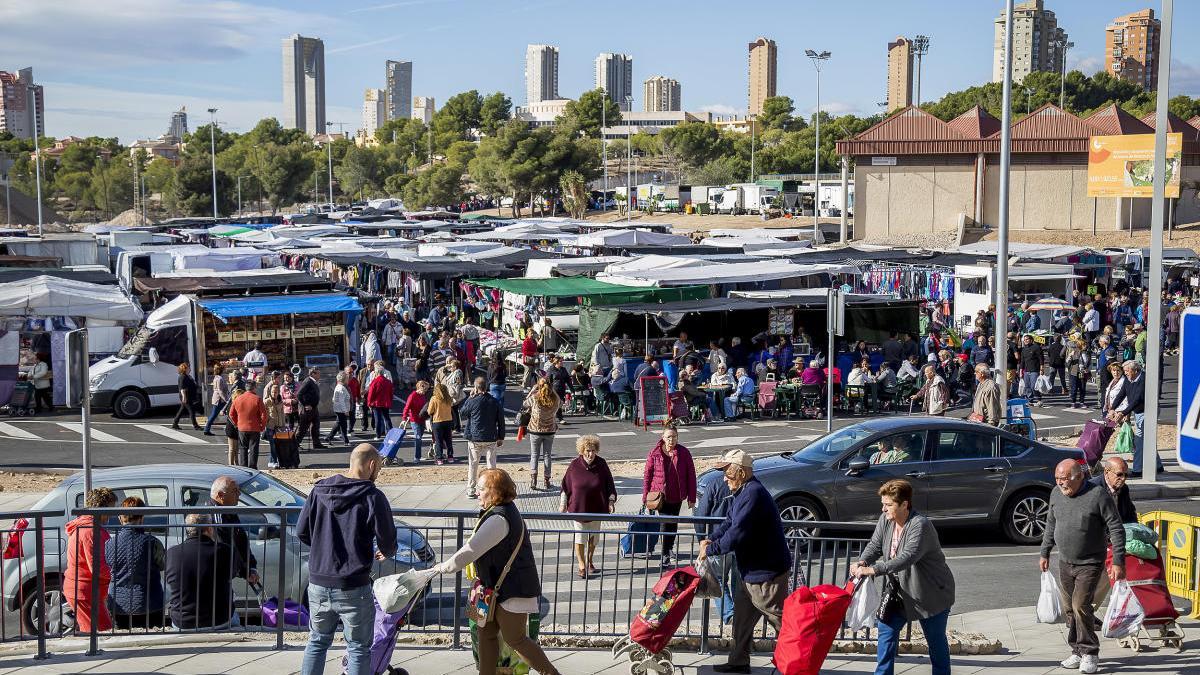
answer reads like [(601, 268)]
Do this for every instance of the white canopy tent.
[(53, 296), (569, 267), (617, 238), (652, 262), (723, 273), (1023, 250)]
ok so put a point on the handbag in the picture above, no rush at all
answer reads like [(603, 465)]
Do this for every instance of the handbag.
[(889, 599), (524, 415), (481, 601), (654, 500)]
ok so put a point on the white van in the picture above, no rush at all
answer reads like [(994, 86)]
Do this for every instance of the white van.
[(145, 372)]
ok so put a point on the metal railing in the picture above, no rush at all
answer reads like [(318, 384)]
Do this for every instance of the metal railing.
[(598, 604)]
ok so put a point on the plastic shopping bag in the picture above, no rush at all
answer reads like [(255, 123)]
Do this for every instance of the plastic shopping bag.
[(395, 591), (1124, 614), (1124, 443), (710, 570), (1043, 385), (1049, 604), (1021, 388), (863, 606)]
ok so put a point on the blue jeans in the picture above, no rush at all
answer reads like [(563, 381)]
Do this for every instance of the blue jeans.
[(935, 636), (418, 431), (383, 421), (1139, 439), (354, 608), (497, 392), (212, 416)]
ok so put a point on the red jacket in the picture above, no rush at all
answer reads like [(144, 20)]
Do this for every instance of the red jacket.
[(676, 480), (355, 390), (81, 567), (412, 407), (529, 346), (248, 413), (379, 392)]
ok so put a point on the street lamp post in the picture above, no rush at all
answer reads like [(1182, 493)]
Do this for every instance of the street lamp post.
[(37, 158), (7, 191), (329, 156), (212, 137), (629, 166), (920, 47), (750, 119), (604, 148), (104, 180), (1000, 292), (817, 58), (1063, 46), (239, 211)]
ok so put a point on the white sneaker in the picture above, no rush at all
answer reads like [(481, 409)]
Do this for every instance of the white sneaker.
[(1071, 662), (1090, 664)]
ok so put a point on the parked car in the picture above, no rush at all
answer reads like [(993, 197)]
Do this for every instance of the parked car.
[(963, 473), (176, 485)]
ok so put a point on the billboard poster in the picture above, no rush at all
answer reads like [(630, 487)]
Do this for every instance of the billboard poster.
[(1123, 166)]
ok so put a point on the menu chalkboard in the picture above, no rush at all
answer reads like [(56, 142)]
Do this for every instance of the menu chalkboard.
[(653, 397)]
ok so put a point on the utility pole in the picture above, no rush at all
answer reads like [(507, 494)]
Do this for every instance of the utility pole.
[(604, 149), (104, 180), (920, 47), (239, 211), (7, 191), (1000, 292), (1063, 46), (750, 119), (1153, 345), (329, 156), (817, 58), (629, 196), (37, 159), (212, 136)]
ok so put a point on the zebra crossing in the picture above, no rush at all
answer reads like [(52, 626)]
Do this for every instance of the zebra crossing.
[(49, 430)]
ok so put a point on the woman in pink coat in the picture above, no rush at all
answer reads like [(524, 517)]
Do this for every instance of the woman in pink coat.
[(82, 567), (671, 474)]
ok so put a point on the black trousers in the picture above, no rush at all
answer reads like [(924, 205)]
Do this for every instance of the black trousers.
[(310, 423), (248, 442), (43, 398), (345, 422), (186, 407), (669, 529)]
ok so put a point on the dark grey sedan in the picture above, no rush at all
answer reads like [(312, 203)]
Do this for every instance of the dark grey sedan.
[(962, 472)]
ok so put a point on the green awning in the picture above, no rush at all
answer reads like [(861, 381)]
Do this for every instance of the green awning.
[(593, 292)]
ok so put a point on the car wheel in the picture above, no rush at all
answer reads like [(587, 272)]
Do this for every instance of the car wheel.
[(130, 404), (1024, 518), (58, 619), (800, 509)]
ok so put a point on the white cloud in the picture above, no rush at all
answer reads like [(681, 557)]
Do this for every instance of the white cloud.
[(837, 108), (1084, 63), (1185, 78), (87, 34), (86, 110), (395, 5), (721, 109)]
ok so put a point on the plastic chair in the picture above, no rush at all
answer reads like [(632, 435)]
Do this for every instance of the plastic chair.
[(748, 405), (855, 393)]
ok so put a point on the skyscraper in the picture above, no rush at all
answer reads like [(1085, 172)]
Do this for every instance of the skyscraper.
[(1036, 37), (398, 89), (763, 58), (661, 94), (179, 126), (304, 84), (614, 74), (423, 109), (374, 113), (899, 74), (1131, 48), (541, 73), (22, 108)]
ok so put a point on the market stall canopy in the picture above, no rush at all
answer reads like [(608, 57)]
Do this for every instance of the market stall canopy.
[(445, 268), (1051, 304), (652, 262), (521, 232), (226, 309), (591, 291), (193, 281), (453, 248), (745, 243), (45, 295), (219, 259), (618, 238), (569, 267), (762, 233), (176, 312), (102, 277), (1024, 251), (510, 256), (724, 273)]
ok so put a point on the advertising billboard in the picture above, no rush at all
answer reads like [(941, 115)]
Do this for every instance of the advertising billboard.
[(1123, 166)]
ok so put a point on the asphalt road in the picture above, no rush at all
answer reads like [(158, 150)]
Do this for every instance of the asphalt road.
[(54, 441)]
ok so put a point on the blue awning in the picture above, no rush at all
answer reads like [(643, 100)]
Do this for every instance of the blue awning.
[(225, 309)]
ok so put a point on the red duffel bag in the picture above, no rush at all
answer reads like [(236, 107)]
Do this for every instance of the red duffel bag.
[(812, 618)]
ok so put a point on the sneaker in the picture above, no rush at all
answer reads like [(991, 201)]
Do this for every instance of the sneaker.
[(272, 465), (1071, 661), (439, 462), (1089, 664), (730, 668)]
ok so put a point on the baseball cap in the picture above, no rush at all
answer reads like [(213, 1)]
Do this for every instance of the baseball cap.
[(736, 456)]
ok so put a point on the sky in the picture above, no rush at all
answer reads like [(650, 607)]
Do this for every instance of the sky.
[(120, 67)]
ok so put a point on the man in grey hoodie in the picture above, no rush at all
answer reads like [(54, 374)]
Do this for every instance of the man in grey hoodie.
[(343, 521), (1079, 516)]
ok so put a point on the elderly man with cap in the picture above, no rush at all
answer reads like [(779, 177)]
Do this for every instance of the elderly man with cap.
[(753, 532)]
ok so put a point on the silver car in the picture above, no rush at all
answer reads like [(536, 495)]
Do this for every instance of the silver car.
[(176, 485)]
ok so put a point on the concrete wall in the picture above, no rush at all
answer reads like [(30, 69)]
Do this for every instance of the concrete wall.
[(903, 199), (897, 200)]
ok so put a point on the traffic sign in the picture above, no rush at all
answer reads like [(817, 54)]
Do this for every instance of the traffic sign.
[(1188, 440)]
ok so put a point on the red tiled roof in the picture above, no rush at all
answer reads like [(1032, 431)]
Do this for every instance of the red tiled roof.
[(975, 123), (911, 124), (1051, 122), (1114, 120), (1195, 121), (1174, 123)]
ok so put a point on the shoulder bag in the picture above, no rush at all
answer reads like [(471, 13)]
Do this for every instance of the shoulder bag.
[(481, 601)]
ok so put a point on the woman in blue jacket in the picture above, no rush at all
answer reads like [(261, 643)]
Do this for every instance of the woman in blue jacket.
[(137, 559)]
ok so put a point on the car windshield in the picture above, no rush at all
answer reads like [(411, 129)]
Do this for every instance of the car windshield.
[(831, 446), (270, 492)]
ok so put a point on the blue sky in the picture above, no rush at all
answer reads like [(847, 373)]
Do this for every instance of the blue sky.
[(120, 67)]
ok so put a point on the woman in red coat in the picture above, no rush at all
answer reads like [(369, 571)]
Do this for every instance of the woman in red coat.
[(82, 567), (379, 400), (671, 474), (355, 393)]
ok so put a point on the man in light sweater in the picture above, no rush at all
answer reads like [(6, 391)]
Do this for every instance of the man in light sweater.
[(1080, 515)]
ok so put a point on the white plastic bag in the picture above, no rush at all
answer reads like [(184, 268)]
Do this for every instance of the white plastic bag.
[(395, 591), (1049, 604), (1124, 614), (710, 570), (1021, 388), (1043, 385), (863, 606)]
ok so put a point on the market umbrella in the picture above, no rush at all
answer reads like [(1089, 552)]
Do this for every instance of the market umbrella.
[(1051, 303)]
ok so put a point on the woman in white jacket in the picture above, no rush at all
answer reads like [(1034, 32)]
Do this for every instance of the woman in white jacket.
[(343, 404)]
